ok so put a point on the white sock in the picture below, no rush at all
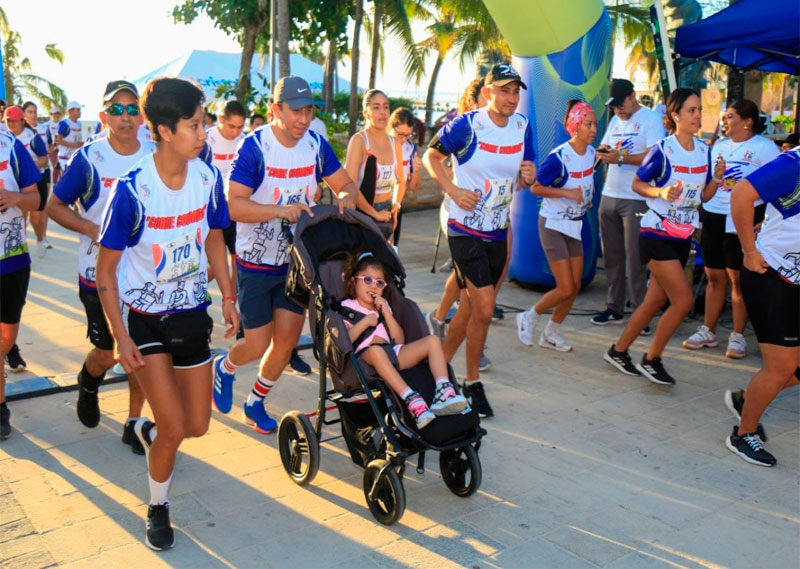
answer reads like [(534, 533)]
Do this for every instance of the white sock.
[(408, 391), (227, 365), (158, 490), (551, 328), (441, 381)]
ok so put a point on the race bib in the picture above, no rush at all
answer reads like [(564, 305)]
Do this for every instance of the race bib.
[(684, 209), (178, 259), (289, 196), (497, 193)]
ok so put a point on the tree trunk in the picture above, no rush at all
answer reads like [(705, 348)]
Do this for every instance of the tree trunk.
[(432, 90), (354, 54), (330, 77), (244, 87), (376, 42), (284, 31)]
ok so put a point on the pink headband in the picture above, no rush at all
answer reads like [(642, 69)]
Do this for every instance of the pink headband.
[(577, 114)]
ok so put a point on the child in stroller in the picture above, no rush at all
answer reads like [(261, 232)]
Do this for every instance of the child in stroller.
[(378, 341)]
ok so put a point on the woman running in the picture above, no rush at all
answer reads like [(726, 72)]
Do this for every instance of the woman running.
[(742, 152), (39, 216), (163, 226), (678, 167), (374, 146), (566, 182), (770, 281)]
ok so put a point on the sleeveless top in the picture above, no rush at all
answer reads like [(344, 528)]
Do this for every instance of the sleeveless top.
[(386, 176)]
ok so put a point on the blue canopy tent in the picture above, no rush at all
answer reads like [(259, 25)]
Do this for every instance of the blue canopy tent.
[(751, 34)]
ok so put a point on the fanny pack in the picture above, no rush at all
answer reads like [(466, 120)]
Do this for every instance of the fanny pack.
[(676, 230)]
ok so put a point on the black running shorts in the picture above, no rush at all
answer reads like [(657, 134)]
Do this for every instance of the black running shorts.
[(655, 249), (97, 328), (183, 335), (229, 234), (481, 262), (43, 187), (13, 290), (773, 306)]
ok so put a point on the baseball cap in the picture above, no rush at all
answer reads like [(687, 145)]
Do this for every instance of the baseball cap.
[(115, 87), (14, 113), (73, 105), (54, 110), (502, 74), (620, 89), (293, 90)]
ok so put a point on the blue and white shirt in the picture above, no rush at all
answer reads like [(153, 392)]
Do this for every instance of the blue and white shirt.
[(71, 132), (487, 161), (17, 171), (87, 182), (666, 164), (565, 168), (277, 175), (34, 144), (162, 233), (778, 184), (222, 152)]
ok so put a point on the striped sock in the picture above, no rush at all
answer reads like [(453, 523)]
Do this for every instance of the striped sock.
[(227, 365), (260, 390)]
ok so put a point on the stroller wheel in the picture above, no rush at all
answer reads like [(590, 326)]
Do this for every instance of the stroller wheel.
[(461, 470), (384, 492), (299, 447)]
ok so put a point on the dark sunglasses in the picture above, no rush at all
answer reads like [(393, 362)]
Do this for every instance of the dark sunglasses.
[(116, 110), (369, 281)]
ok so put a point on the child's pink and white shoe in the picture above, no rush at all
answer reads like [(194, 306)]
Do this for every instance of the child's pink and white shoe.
[(419, 410), (446, 401)]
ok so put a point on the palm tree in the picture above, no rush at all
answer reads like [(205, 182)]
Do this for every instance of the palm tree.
[(354, 57), (18, 78), (284, 30)]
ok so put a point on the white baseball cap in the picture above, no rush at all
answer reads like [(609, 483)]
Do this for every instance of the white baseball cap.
[(54, 110), (74, 105)]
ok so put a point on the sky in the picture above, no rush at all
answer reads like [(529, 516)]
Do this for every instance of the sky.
[(104, 40)]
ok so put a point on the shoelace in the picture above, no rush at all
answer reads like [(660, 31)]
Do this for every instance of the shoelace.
[(416, 404), (445, 391), (754, 442)]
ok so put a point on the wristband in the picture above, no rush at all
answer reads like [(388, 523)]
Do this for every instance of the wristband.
[(228, 298), (621, 159), (716, 180)]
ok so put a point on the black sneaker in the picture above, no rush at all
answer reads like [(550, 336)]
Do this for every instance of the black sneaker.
[(734, 401), (608, 316), (498, 313), (129, 438), (88, 408), (654, 371), (159, 531), (477, 398), (5, 421), (621, 360), (750, 448), (298, 364), (14, 360), (141, 429)]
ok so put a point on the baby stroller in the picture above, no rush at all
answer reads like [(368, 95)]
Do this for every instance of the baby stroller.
[(376, 425)]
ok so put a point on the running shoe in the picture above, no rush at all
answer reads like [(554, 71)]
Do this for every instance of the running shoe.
[(737, 346), (526, 321), (159, 530), (419, 410), (143, 429), (446, 401), (14, 360), (447, 266), (477, 397), (646, 331), (129, 438), (88, 408), (703, 338), (621, 360), (654, 371), (608, 316), (435, 327), (5, 421), (298, 364), (554, 342), (223, 387), (750, 448), (117, 369), (41, 249), (256, 416), (498, 313), (734, 401), (484, 363), (47, 243)]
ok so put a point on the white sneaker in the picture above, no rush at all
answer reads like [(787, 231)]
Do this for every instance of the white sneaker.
[(526, 321), (737, 346), (703, 338), (41, 249), (47, 243), (435, 327), (554, 342)]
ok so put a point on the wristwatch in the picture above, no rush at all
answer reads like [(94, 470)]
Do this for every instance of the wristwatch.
[(621, 159)]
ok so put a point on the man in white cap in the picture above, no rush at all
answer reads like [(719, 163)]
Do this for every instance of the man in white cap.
[(68, 137)]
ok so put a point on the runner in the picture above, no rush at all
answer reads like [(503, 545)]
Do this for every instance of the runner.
[(257, 120), (69, 138), (679, 168), (566, 183), (373, 145), (401, 128), (633, 130), (163, 225), (770, 280), (38, 217), (18, 194), (742, 152), (52, 147), (492, 151), (78, 203), (273, 180)]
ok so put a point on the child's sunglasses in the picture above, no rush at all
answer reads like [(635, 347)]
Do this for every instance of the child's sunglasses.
[(116, 110), (369, 281)]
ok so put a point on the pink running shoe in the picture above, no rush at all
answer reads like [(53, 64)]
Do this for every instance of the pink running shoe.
[(419, 410), (446, 401)]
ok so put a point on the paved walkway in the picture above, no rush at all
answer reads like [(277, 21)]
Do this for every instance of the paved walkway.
[(583, 467)]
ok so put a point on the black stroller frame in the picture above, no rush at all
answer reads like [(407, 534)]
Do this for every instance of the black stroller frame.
[(299, 440)]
